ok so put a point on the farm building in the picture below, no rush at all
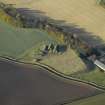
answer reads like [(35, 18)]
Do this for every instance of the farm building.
[(100, 63)]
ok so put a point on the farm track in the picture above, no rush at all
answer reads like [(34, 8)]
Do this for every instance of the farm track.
[(24, 84)]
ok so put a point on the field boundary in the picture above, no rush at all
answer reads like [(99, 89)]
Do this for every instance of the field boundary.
[(54, 71)]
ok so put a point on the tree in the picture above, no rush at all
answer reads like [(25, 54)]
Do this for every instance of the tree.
[(101, 2), (2, 5)]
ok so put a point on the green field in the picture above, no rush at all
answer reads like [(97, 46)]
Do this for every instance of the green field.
[(67, 63), (15, 41), (95, 76), (96, 100)]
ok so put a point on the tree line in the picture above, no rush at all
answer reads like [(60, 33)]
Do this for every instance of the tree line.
[(9, 14), (101, 2), (56, 30)]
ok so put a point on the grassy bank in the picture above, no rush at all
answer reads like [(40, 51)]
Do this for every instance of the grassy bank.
[(8, 19), (95, 76), (96, 100)]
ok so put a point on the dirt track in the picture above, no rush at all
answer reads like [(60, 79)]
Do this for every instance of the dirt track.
[(25, 85)]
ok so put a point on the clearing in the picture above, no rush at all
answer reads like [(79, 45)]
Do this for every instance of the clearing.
[(67, 63)]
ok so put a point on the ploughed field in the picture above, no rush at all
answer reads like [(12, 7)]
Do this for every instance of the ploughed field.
[(96, 100), (24, 84)]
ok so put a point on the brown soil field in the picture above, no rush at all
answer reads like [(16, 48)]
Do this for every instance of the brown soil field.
[(24, 84)]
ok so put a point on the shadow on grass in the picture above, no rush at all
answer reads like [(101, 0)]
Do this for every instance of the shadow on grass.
[(91, 39)]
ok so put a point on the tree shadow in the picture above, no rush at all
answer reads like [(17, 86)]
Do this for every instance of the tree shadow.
[(88, 37), (32, 14), (89, 64)]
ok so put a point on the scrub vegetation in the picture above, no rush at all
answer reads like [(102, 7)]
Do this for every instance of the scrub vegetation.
[(101, 2)]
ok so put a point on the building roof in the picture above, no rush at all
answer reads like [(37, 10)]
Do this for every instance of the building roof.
[(100, 64)]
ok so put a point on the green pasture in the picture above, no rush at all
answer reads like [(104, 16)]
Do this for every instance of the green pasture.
[(15, 41), (96, 76)]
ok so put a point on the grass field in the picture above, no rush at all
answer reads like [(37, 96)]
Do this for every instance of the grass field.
[(15, 41), (67, 63), (85, 14), (95, 76), (96, 100)]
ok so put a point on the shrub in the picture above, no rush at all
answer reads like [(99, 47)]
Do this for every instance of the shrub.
[(5, 17), (10, 15), (101, 2)]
